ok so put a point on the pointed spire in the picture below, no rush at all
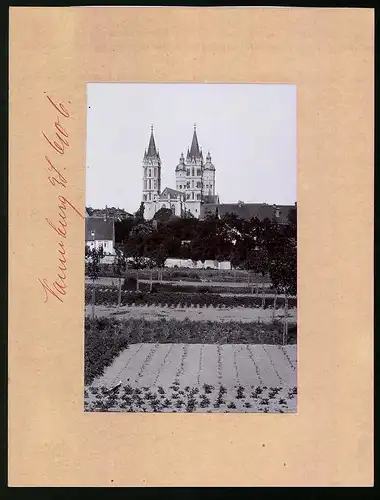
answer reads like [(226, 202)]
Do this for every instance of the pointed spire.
[(152, 151), (194, 149)]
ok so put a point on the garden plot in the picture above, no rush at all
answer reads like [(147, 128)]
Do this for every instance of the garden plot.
[(154, 313), (197, 377)]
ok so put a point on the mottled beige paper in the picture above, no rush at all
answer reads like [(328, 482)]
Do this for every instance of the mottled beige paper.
[(329, 55)]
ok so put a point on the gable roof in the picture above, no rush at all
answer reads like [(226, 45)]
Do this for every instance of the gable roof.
[(173, 193), (248, 210), (99, 229)]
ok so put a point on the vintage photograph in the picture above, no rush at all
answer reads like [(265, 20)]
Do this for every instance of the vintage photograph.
[(191, 248)]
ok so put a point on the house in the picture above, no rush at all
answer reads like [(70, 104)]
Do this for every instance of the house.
[(100, 233)]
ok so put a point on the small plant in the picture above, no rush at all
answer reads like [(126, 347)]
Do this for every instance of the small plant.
[(167, 403), (264, 401), (127, 399), (191, 405), (231, 406), (204, 402), (179, 403), (222, 390), (208, 388), (240, 392), (247, 404), (93, 390), (161, 390), (128, 390)]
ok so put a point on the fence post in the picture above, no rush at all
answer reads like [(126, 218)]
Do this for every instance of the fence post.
[(274, 305), (93, 300)]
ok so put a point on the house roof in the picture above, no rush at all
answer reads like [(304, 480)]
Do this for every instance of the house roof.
[(108, 212), (99, 229), (248, 210)]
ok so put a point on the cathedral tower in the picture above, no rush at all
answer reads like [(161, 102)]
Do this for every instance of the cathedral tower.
[(208, 177), (151, 171)]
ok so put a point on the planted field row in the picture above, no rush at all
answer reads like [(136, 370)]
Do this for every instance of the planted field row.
[(227, 276), (207, 398), (144, 286), (109, 296), (105, 338)]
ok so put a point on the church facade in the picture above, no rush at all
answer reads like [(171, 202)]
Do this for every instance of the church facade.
[(195, 182)]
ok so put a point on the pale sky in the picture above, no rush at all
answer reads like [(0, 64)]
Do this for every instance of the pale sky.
[(249, 129)]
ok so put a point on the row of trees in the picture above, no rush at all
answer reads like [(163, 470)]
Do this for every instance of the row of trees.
[(260, 246)]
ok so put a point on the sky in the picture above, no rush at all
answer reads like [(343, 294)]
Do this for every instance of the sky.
[(249, 129)]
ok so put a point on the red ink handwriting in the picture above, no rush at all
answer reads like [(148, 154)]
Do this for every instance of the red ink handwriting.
[(59, 144)]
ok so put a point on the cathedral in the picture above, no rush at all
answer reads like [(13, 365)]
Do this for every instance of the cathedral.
[(195, 182)]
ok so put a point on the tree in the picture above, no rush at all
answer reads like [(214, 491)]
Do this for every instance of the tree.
[(163, 214), (135, 247), (93, 257), (123, 228), (139, 215), (119, 268)]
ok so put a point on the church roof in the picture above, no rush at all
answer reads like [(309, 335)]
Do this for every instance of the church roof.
[(172, 192), (211, 198), (248, 210), (194, 151), (152, 150)]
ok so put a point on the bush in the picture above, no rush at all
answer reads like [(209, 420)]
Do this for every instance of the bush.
[(129, 283), (102, 343)]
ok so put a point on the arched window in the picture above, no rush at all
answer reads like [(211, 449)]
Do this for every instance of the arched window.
[(150, 173), (193, 172)]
